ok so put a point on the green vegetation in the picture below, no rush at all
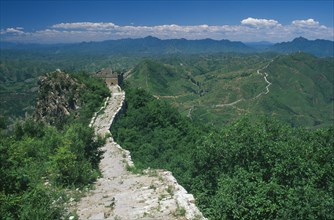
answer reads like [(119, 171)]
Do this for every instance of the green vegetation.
[(265, 170), (216, 89), (249, 169), (156, 133), (245, 166), (40, 163), (302, 90), (94, 93), (197, 85)]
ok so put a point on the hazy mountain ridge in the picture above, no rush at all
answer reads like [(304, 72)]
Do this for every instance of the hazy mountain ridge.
[(152, 46), (322, 48), (147, 45)]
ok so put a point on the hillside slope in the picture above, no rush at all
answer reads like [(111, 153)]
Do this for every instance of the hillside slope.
[(302, 90), (216, 89)]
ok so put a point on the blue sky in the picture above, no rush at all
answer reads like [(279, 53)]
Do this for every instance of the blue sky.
[(76, 21)]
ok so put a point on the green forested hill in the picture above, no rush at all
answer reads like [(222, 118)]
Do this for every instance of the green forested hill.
[(216, 89), (249, 169), (196, 84), (302, 90)]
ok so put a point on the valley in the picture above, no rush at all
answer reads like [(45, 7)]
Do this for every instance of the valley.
[(215, 129), (217, 89), (166, 110)]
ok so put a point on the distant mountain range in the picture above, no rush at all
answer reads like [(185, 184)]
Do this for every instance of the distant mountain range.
[(152, 46), (147, 45), (320, 48)]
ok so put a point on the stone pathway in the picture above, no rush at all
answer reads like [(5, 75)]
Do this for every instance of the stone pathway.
[(120, 194)]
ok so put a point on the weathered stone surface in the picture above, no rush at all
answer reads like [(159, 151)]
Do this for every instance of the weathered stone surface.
[(120, 194), (58, 97)]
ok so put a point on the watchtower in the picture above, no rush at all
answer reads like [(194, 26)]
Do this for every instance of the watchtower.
[(110, 77)]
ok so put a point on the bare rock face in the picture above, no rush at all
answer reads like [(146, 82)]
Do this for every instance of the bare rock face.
[(58, 97)]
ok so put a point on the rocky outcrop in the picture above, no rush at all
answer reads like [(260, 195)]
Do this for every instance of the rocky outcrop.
[(121, 194), (58, 97)]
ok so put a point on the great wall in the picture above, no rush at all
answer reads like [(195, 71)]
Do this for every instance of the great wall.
[(121, 194)]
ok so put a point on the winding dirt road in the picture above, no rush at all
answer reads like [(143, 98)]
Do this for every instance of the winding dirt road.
[(265, 79), (265, 75)]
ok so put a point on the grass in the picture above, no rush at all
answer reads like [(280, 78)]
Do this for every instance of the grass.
[(180, 211), (152, 186), (151, 172), (134, 169), (170, 190)]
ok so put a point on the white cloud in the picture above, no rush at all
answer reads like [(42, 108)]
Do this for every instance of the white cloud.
[(304, 23), (250, 29), (86, 25), (17, 30), (259, 22)]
